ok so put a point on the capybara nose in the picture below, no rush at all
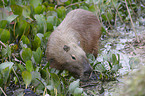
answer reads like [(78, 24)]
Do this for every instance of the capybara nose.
[(88, 69)]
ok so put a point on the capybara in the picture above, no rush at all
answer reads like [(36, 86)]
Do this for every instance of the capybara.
[(67, 46)]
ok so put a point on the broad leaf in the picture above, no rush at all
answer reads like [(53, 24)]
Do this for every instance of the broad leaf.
[(55, 80), (26, 54), (27, 77), (25, 39), (35, 3), (78, 91), (73, 86), (17, 10), (5, 35), (37, 55), (29, 66)]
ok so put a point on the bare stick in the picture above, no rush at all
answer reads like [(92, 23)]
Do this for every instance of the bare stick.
[(73, 4), (3, 91), (117, 12), (2, 44), (132, 23), (16, 76)]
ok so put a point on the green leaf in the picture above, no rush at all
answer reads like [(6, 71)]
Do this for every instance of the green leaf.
[(21, 67), (103, 31), (5, 35), (12, 2), (92, 8), (27, 77), (37, 55), (68, 2), (15, 79), (35, 77), (16, 9), (1, 80), (26, 11), (78, 91), (118, 62), (26, 54), (5, 72), (25, 40), (36, 42), (109, 15), (49, 27), (11, 18), (46, 35), (55, 80), (5, 69), (100, 68), (22, 27), (29, 66), (3, 23), (35, 3), (40, 9), (114, 59), (42, 25), (73, 86), (5, 65), (6, 52), (50, 19), (61, 12), (104, 17), (110, 65), (40, 35)]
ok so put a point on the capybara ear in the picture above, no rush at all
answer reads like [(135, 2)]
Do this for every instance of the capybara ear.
[(66, 48)]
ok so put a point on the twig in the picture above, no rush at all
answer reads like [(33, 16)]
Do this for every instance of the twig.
[(117, 12), (2, 44), (133, 49), (91, 84), (108, 21), (73, 4), (16, 76), (17, 59), (3, 91), (101, 19), (44, 91), (132, 22)]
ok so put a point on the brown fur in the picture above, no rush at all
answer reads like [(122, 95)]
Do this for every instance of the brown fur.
[(77, 35)]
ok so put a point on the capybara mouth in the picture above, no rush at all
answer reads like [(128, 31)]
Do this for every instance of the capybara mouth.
[(90, 76)]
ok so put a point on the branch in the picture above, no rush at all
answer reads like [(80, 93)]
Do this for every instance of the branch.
[(3, 91), (2, 44), (73, 4), (132, 23)]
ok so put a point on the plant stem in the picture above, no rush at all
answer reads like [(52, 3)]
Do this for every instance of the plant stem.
[(2, 44), (44, 91), (16, 75), (117, 12), (132, 22), (3, 91)]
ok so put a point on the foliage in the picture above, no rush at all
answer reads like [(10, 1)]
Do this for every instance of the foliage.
[(25, 26), (108, 70)]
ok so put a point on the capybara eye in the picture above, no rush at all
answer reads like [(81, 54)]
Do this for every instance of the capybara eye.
[(73, 57)]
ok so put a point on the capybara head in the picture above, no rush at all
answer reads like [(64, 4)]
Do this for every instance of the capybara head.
[(70, 57)]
